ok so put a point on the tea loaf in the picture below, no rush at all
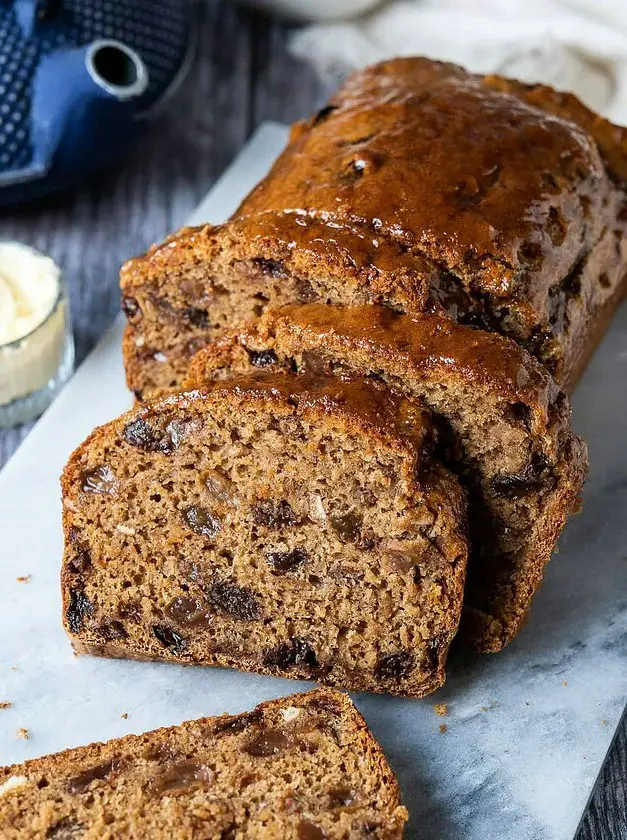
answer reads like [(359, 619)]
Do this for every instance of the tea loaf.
[(504, 429), (419, 186), (301, 768), (298, 526)]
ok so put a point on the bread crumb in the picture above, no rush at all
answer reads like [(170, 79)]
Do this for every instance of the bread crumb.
[(124, 715), (15, 667), (23, 578), (604, 722), (22, 733), (564, 682), (441, 709), (443, 728), (5, 704)]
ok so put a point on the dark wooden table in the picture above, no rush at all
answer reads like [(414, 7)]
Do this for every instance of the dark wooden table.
[(242, 76)]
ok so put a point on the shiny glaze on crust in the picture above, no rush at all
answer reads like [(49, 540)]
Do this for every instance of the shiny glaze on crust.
[(393, 417), (420, 341), (424, 188), (500, 191), (423, 345), (419, 179)]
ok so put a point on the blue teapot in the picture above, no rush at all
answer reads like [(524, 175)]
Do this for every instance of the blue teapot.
[(77, 80)]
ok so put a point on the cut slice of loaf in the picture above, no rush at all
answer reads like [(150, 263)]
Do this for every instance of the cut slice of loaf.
[(504, 428), (301, 768), (288, 525)]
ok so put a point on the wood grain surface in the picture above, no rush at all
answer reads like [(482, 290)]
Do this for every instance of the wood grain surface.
[(241, 76)]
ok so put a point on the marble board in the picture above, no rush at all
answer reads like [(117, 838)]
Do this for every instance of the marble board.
[(527, 730)]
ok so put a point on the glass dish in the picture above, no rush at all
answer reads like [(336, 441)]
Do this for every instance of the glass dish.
[(34, 366)]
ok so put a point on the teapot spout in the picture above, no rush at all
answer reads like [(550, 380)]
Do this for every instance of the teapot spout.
[(116, 68), (82, 97)]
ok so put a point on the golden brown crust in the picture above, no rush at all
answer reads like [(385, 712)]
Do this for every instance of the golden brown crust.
[(611, 139), (35, 809), (430, 342)]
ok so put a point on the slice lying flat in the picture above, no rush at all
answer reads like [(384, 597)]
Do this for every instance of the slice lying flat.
[(303, 767), (504, 429), (289, 525)]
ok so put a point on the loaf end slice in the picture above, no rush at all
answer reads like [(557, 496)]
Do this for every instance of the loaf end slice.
[(504, 430), (299, 526), (304, 767)]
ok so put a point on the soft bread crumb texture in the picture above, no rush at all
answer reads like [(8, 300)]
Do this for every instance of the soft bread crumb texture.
[(319, 774), (299, 526), (504, 429)]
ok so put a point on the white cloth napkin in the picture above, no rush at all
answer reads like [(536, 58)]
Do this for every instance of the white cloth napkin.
[(577, 45)]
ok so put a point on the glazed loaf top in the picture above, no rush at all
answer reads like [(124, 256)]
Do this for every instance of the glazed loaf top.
[(418, 173), (500, 183), (428, 189)]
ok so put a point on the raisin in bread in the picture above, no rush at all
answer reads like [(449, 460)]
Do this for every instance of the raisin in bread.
[(505, 430), (420, 186), (301, 768), (298, 526)]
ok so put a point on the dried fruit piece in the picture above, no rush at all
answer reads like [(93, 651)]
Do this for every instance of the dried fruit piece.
[(267, 743), (294, 653), (348, 526), (309, 831), (313, 362), (262, 358), (140, 434), (515, 485), (187, 611), (81, 561), (197, 317), (286, 561), (238, 723), (66, 829), (274, 514), (100, 480), (395, 666), (201, 521), (304, 291), (130, 307), (79, 609), (221, 488), (111, 629), (273, 268), (236, 601), (178, 430), (182, 776), (169, 638), (80, 783)]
